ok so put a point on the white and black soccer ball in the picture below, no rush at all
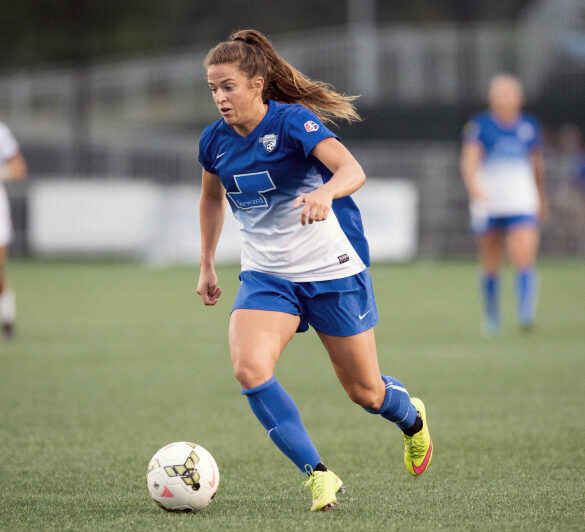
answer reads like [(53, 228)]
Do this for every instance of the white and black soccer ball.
[(182, 477)]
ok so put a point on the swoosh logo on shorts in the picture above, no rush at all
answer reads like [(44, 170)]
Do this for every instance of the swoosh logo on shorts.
[(362, 316), (221, 155), (421, 469)]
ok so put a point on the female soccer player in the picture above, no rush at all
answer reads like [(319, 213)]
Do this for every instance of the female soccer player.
[(12, 168), (288, 179), (502, 166)]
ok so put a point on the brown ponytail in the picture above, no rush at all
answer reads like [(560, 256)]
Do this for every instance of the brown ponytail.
[(283, 83)]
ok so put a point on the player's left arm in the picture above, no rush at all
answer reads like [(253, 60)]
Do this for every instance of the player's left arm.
[(14, 169), (348, 176), (538, 167)]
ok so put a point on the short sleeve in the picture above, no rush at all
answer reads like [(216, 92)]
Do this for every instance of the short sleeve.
[(537, 141), (203, 157), (8, 145), (471, 131), (306, 130)]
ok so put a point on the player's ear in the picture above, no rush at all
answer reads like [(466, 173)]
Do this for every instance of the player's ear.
[(258, 84)]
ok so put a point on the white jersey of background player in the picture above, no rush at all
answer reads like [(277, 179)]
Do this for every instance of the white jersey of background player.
[(12, 168)]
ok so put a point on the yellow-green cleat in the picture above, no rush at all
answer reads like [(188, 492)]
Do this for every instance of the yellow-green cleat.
[(325, 485), (418, 449)]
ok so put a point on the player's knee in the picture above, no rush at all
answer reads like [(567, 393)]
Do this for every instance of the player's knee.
[(243, 374), (249, 376), (366, 397)]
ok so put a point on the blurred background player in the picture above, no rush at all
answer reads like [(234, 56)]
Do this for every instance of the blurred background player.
[(304, 257), (570, 194), (12, 168), (502, 166)]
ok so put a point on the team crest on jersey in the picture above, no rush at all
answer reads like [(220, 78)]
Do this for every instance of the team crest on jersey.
[(525, 132), (269, 142), (311, 126)]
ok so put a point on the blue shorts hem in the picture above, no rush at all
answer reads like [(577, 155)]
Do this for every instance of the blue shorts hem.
[(505, 223), (335, 307), (303, 325), (269, 309), (347, 332)]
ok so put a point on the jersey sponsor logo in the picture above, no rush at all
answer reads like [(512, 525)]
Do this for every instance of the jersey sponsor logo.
[(311, 126), (343, 258), (251, 190), (268, 141)]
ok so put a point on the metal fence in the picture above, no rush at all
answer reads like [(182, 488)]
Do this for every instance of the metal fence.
[(432, 166), (392, 65), (114, 118)]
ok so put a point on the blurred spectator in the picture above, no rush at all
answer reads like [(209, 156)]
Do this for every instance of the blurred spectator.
[(570, 141), (571, 190)]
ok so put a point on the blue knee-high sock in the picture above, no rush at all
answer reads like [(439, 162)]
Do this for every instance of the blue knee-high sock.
[(490, 285), (280, 416), (526, 294), (397, 406)]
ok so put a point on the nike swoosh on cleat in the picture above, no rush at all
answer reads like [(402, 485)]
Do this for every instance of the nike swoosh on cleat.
[(421, 469)]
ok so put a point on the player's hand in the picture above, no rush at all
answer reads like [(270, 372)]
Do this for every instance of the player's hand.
[(479, 215), (477, 195), (316, 205), (207, 287)]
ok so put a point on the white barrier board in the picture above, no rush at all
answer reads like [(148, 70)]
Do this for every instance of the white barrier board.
[(161, 224), (91, 217)]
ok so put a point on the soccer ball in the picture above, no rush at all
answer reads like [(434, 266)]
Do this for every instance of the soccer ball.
[(182, 477)]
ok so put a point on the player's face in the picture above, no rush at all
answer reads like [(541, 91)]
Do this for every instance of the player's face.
[(238, 99), (506, 97)]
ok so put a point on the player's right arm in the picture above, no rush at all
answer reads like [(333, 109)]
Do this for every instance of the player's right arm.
[(211, 217), (14, 169), (471, 156)]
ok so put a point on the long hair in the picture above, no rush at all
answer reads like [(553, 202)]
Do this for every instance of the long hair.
[(255, 56)]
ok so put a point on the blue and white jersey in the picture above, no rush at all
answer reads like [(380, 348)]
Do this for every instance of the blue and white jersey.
[(506, 172), (263, 173), (8, 149), (8, 145)]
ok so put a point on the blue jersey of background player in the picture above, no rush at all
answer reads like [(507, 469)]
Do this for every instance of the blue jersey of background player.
[(503, 169), (288, 179)]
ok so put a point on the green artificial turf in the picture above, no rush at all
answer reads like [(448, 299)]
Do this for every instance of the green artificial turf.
[(112, 361)]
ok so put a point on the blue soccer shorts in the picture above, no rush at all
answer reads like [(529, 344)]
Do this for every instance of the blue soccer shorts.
[(504, 223), (338, 307)]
